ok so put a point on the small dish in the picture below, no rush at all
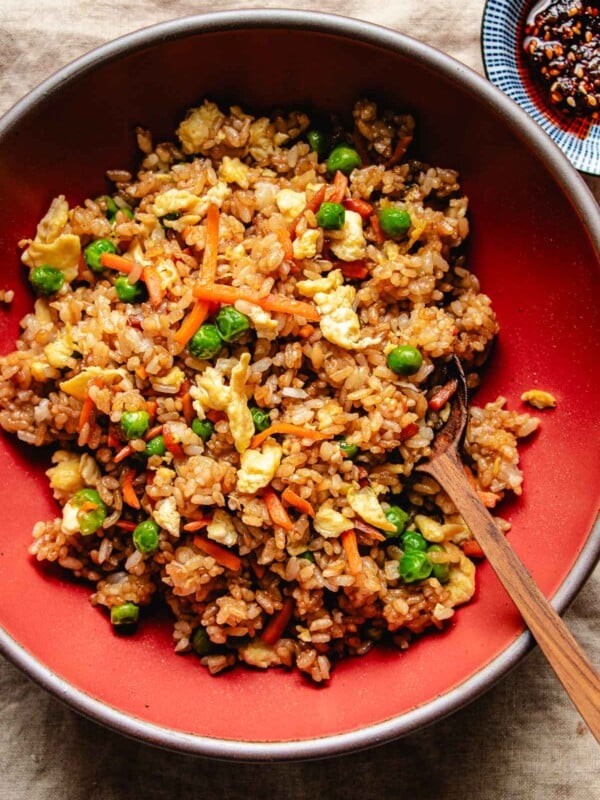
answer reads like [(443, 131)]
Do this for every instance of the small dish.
[(502, 35)]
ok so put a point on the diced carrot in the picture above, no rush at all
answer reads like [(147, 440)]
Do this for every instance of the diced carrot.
[(155, 431), (229, 295), (472, 549), (191, 323), (220, 554), (368, 530), (409, 431), (120, 263), (379, 237), (197, 524), (292, 430), (286, 242), (400, 149), (353, 270), (125, 525), (187, 406), (215, 416), (87, 414), (305, 331), (151, 408), (129, 495), (291, 498), (173, 446), (340, 184), (350, 546), (441, 396), (278, 623), (359, 206), (153, 283), (277, 512), (258, 569), (141, 372), (89, 505), (123, 453)]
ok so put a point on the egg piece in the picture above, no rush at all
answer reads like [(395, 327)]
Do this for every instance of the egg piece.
[(65, 476), (429, 528), (70, 518), (168, 274), (364, 502), (232, 170), (212, 393), (182, 201), (349, 243), (172, 380), (58, 353), (221, 529), (290, 203), (538, 398), (200, 127), (330, 523), (54, 220), (258, 467), (166, 515), (339, 322), (263, 323), (461, 582), (51, 244), (306, 246), (78, 384)]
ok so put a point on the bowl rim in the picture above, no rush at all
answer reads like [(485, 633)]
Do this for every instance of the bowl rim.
[(581, 198), (499, 31)]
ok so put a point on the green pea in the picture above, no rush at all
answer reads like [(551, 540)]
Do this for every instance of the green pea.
[(331, 216), (46, 279), (109, 203), (94, 251), (398, 517), (145, 537), (415, 566), (134, 424), (89, 521), (156, 446), (261, 419), (412, 540), (130, 292), (308, 556), (394, 221), (203, 428), (231, 323), (344, 159), (404, 360), (201, 644), (125, 614), (348, 449), (439, 571), (206, 342), (317, 141)]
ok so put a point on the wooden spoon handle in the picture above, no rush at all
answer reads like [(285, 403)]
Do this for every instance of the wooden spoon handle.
[(566, 657)]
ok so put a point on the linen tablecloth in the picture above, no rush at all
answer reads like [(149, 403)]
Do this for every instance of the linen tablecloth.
[(522, 740)]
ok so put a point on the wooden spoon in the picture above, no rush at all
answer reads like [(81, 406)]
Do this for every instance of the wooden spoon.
[(566, 657)]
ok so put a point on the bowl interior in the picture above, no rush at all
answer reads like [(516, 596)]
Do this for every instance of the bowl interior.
[(535, 259)]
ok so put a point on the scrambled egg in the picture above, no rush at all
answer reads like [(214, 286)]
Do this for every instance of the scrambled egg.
[(174, 378), (58, 353), (461, 584), (290, 203), (305, 246), (232, 170), (339, 322), (349, 243), (166, 515), (41, 310), (211, 392), (52, 246), (258, 467), (70, 520), (364, 502), (539, 399), (264, 324), (77, 386), (433, 531), (65, 476), (168, 273), (196, 129), (222, 529), (181, 201), (330, 523)]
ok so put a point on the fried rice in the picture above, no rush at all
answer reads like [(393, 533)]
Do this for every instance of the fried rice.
[(272, 548)]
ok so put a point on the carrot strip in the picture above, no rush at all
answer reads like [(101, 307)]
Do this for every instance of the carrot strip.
[(292, 430), (472, 549), (187, 406), (441, 396), (354, 270), (197, 524), (409, 431), (88, 408), (211, 248), (379, 237), (258, 569), (291, 498), (278, 622), (153, 283), (229, 295), (191, 323), (359, 206), (402, 146), (123, 453), (129, 495), (120, 263), (155, 431), (277, 512), (351, 549), (172, 445), (125, 525), (286, 242), (340, 184), (220, 554), (151, 407), (313, 205)]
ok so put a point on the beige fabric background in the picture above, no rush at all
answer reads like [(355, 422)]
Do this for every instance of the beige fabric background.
[(522, 740)]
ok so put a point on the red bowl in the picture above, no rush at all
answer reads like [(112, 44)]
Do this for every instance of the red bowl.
[(534, 245)]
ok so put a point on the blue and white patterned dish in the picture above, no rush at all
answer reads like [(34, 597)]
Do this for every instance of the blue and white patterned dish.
[(501, 41)]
